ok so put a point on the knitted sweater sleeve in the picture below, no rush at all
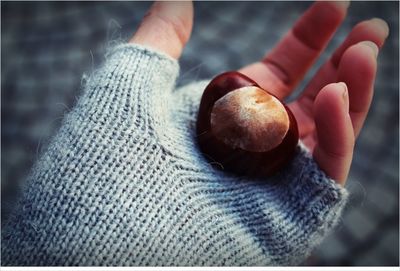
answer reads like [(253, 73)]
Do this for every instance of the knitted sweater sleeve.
[(123, 183)]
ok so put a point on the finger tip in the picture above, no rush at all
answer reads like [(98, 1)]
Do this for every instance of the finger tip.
[(344, 95), (382, 25), (334, 88), (331, 98), (371, 46), (376, 29), (334, 11), (362, 55), (343, 5), (342, 85)]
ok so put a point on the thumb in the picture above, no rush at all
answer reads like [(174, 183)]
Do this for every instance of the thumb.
[(334, 149), (166, 27)]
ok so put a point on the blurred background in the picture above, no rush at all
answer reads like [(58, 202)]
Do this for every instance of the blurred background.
[(46, 47)]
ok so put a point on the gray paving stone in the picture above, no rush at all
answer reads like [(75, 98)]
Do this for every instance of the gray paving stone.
[(383, 198), (359, 223), (331, 249)]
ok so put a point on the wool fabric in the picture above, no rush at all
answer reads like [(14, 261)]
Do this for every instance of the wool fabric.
[(123, 183)]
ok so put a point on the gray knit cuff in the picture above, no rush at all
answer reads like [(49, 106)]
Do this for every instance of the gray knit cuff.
[(313, 190), (316, 200)]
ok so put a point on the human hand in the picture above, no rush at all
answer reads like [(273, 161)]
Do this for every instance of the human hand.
[(330, 115), (123, 183)]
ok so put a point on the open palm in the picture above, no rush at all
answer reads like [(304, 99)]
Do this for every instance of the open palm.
[(330, 115)]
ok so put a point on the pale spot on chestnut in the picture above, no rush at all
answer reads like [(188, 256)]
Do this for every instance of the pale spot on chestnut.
[(250, 119)]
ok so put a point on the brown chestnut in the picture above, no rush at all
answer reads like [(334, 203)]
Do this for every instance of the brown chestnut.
[(243, 128)]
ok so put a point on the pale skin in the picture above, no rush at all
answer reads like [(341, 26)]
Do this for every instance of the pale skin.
[(332, 108)]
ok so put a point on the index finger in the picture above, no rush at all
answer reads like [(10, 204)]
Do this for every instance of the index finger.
[(281, 69)]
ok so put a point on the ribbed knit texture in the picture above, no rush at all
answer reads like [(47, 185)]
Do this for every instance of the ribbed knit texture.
[(123, 183)]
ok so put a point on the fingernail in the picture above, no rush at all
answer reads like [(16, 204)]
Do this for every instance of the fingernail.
[(371, 45), (382, 25), (345, 95), (345, 4)]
